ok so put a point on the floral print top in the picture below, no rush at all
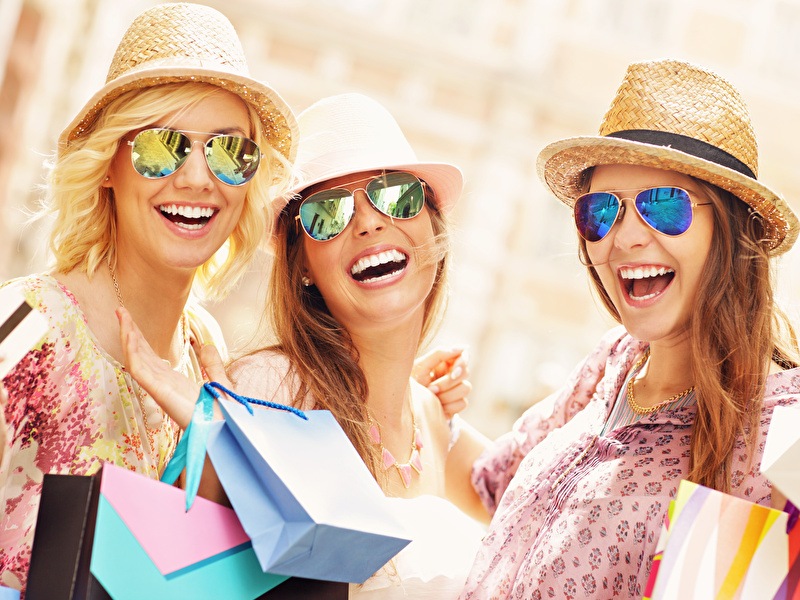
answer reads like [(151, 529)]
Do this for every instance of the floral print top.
[(578, 511), (72, 407)]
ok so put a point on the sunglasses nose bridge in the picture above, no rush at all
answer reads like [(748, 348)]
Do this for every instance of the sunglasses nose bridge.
[(195, 168), (623, 206), (366, 216)]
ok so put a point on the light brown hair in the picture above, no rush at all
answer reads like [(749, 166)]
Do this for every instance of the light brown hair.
[(736, 329), (320, 350)]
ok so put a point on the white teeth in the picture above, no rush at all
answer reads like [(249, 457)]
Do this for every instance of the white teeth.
[(377, 259), (645, 297), (373, 279), (188, 212), (190, 226), (643, 272)]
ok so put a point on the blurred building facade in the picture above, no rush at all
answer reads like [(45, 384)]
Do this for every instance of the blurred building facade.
[(481, 83)]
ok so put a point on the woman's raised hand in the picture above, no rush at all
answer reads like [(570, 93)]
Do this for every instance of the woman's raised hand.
[(444, 372), (175, 393)]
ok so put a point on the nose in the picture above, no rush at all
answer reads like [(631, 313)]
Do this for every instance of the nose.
[(630, 230), (367, 219), (194, 173)]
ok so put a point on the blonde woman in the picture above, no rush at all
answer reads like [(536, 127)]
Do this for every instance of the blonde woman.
[(167, 163)]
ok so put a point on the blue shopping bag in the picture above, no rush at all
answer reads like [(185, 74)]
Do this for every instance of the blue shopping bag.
[(301, 492)]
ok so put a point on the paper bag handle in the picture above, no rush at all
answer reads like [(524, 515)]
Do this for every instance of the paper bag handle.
[(191, 450)]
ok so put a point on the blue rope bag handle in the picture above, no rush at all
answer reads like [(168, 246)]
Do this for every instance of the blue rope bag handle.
[(191, 450)]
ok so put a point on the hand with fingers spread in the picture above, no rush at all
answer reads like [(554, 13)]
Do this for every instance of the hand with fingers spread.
[(175, 393), (444, 372), (172, 391)]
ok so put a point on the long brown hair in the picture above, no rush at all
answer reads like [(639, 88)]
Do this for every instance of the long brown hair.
[(320, 350), (736, 329)]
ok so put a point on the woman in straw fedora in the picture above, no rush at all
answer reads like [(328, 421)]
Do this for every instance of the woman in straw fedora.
[(677, 235), (358, 284), (167, 164)]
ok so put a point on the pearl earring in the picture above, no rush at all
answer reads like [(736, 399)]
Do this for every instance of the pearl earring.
[(306, 281)]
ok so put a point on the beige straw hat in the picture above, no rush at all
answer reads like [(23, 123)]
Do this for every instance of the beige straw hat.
[(170, 43), (676, 116), (352, 133)]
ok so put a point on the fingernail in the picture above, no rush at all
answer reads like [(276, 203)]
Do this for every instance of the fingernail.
[(434, 389), (456, 372)]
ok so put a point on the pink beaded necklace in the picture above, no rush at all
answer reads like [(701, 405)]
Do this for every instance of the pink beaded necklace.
[(414, 463)]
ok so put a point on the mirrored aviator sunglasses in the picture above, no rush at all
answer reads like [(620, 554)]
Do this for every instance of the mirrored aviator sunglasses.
[(157, 153), (666, 209), (326, 214)]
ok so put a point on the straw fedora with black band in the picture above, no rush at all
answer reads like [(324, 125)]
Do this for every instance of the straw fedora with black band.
[(676, 116), (180, 42), (352, 133)]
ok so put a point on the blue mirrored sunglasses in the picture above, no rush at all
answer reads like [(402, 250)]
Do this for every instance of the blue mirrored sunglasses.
[(667, 209)]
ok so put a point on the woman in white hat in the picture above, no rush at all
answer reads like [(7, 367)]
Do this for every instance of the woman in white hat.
[(358, 285), (677, 235), (167, 163)]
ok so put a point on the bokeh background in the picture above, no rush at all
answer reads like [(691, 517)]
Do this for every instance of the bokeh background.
[(481, 83)]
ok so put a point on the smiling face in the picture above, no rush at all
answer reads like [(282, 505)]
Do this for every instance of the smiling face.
[(651, 278), (378, 270), (180, 220)]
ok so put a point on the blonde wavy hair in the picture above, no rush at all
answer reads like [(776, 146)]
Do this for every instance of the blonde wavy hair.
[(320, 351), (736, 329), (84, 229)]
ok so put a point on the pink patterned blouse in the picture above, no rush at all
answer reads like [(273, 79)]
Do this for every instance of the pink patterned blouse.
[(72, 407), (578, 511)]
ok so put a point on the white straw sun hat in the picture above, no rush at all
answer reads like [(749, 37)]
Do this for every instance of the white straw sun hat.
[(352, 133), (676, 116), (171, 43)]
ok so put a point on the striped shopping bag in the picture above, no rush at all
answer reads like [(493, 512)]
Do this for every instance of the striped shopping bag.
[(715, 545)]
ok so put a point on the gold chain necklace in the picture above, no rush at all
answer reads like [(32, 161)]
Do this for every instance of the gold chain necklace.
[(414, 463), (644, 410), (137, 389)]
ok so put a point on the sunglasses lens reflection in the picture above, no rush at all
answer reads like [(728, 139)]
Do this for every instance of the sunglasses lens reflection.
[(595, 214), (324, 215), (158, 153), (666, 209), (397, 195), (232, 158)]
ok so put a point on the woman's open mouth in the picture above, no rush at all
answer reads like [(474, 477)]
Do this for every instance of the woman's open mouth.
[(645, 283), (187, 217), (378, 266)]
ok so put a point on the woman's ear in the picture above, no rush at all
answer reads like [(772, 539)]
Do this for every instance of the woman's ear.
[(107, 182)]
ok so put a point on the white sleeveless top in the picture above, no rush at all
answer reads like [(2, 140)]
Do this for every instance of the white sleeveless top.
[(434, 566)]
